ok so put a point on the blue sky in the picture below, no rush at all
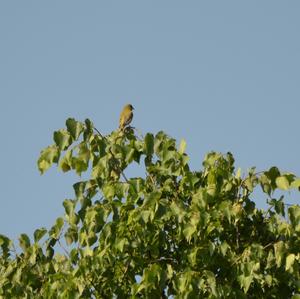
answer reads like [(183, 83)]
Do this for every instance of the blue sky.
[(224, 75)]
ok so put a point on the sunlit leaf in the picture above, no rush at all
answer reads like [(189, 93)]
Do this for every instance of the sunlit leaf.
[(279, 248), (289, 261), (48, 156), (24, 241), (149, 144), (282, 183), (75, 128), (182, 146), (39, 233), (62, 139), (55, 231)]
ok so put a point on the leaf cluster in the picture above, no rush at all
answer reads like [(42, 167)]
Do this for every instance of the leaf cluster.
[(171, 233)]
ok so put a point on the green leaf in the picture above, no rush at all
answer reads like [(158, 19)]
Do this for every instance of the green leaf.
[(147, 215), (48, 156), (120, 243), (279, 249), (75, 128), (152, 199), (238, 173), (130, 154), (268, 279), (89, 125), (270, 260), (188, 231), (3, 240), (211, 247), (289, 261), (250, 183), (39, 234), (71, 235), (245, 282), (109, 191), (158, 142), (224, 247), (62, 139), (55, 231), (278, 205), (5, 244), (69, 239), (24, 242), (192, 256), (152, 276), (69, 205), (66, 162), (49, 252), (170, 271), (149, 144), (71, 216), (81, 162), (272, 174), (79, 165), (182, 146), (294, 215), (79, 189), (178, 210), (265, 184), (184, 282), (211, 281), (296, 184), (282, 183), (226, 209)]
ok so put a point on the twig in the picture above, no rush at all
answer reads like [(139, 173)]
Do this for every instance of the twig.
[(237, 237), (138, 132), (151, 178), (58, 240), (126, 269), (99, 133), (256, 174), (268, 245), (64, 249), (164, 259), (121, 171)]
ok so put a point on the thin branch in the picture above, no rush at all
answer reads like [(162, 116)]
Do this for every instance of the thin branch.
[(58, 240), (268, 245), (63, 248), (164, 259), (237, 237), (124, 176), (99, 133), (121, 171), (138, 133)]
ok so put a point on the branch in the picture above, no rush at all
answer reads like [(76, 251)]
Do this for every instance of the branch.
[(121, 171), (58, 239), (99, 133), (63, 248)]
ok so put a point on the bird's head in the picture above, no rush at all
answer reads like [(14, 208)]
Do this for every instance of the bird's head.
[(129, 107)]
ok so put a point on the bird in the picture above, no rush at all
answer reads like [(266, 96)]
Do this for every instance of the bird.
[(126, 116)]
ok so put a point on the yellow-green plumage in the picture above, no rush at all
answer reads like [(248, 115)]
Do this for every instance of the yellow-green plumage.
[(126, 116)]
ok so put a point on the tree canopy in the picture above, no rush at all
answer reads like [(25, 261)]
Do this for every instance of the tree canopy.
[(172, 232)]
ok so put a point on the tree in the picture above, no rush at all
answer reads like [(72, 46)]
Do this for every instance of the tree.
[(171, 233)]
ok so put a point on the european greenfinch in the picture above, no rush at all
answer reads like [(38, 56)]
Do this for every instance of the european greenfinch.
[(126, 116)]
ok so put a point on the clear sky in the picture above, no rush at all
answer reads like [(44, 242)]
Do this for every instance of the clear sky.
[(224, 75)]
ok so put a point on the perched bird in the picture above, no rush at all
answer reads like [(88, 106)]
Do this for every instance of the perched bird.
[(126, 116)]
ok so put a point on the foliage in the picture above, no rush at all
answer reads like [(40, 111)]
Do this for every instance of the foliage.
[(174, 232)]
